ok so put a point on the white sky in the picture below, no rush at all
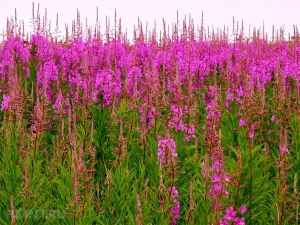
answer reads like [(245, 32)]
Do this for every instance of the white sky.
[(216, 12)]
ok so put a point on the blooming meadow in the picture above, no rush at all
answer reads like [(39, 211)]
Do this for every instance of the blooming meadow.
[(178, 127)]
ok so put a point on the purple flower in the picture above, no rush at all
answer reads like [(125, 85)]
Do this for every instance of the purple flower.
[(174, 192), (240, 91), (108, 83), (251, 132), (243, 209), (242, 122), (239, 221), (133, 81), (67, 103), (58, 103), (229, 97), (176, 121), (190, 129), (175, 210), (283, 149), (223, 222), (5, 102), (251, 135), (166, 150), (230, 214)]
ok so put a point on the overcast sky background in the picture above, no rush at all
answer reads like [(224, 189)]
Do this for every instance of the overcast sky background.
[(216, 12)]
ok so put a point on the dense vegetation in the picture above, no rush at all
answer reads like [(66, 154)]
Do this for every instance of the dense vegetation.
[(183, 128)]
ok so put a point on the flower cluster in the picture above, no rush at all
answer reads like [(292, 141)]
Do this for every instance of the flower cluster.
[(5, 102), (175, 210), (231, 218), (166, 150), (107, 83), (217, 177)]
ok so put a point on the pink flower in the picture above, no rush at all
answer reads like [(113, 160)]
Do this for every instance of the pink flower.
[(283, 149), (243, 209), (5, 102), (166, 150), (230, 214), (174, 192), (175, 210), (223, 222), (242, 122), (239, 221), (58, 103), (251, 132), (251, 135)]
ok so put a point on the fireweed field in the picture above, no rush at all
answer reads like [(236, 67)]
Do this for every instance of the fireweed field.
[(187, 126)]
